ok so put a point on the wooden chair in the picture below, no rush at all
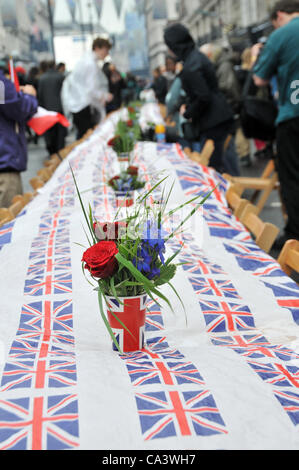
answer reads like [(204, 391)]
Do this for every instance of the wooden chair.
[(36, 183), (45, 173), (188, 151), (5, 216), (265, 184), (234, 200), (54, 161), (264, 233), (289, 257), (205, 155), (16, 208)]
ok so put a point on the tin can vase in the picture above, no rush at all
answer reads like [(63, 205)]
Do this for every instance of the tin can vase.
[(124, 157), (124, 199), (131, 311)]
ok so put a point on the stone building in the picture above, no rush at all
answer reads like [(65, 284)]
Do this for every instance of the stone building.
[(25, 31), (235, 22)]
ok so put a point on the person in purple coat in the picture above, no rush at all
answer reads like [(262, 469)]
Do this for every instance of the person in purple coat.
[(15, 110)]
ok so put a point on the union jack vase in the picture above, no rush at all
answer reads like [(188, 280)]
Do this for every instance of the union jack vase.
[(131, 312), (124, 199), (123, 157)]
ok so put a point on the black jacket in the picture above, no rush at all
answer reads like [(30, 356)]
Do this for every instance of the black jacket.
[(49, 91), (206, 105)]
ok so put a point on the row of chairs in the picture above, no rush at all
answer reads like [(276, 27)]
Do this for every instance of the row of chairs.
[(265, 233), (43, 175)]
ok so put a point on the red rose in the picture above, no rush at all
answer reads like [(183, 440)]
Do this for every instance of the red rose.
[(109, 231), (100, 259), (133, 170), (130, 123), (113, 141), (115, 178), (131, 110)]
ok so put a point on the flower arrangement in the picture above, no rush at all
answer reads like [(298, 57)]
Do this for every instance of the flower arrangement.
[(127, 258), (127, 181)]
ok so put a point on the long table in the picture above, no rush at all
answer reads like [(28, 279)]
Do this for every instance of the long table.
[(227, 378)]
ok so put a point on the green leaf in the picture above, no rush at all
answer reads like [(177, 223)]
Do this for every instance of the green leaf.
[(167, 273), (148, 285)]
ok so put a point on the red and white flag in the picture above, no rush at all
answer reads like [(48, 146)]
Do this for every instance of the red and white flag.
[(13, 75), (43, 120)]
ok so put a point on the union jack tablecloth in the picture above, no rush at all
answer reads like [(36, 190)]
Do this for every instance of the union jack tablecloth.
[(229, 379)]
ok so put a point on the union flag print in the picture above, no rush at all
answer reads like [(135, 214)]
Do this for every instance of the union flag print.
[(211, 287), (252, 259), (173, 413), (39, 423), (222, 317), (255, 347), (286, 296), (6, 233), (277, 374), (290, 402)]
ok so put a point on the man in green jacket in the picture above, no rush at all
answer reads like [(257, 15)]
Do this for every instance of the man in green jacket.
[(280, 58)]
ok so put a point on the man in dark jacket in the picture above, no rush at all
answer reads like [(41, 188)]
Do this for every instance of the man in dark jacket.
[(207, 108), (280, 58), (16, 110), (49, 90)]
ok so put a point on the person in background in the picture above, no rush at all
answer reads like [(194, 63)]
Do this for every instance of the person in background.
[(32, 77), (280, 58), (116, 87), (223, 61), (159, 85), (170, 73), (206, 109), (61, 68), (43, 67), (85, 90), (14, 113), (49, 90), (242, 143), (174, 100)]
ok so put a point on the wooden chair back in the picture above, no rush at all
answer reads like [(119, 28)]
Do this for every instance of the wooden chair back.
[(264, 233), (234, 200), (289, 257), (5, 216), (205, 155), (36, 183), (263, 185)]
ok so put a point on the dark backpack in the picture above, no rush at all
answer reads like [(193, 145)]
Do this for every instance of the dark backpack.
[(258, 115)]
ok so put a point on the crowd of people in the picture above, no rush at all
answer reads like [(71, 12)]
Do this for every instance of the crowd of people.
[(215, 93), (85, 95)]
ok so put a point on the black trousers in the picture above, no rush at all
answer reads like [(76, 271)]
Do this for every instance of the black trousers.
[(287, 165), (55, 138), (85, 120)]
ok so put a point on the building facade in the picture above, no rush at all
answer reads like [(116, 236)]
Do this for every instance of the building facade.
[(25, 31), (237, 23), (158, 14)]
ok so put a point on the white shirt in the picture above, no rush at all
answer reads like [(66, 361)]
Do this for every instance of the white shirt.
[(86, 85)]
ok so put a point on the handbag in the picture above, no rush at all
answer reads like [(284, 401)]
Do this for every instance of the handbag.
[(258, 115)]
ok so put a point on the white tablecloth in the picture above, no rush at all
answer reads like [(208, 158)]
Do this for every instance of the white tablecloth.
[(227, 380)]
